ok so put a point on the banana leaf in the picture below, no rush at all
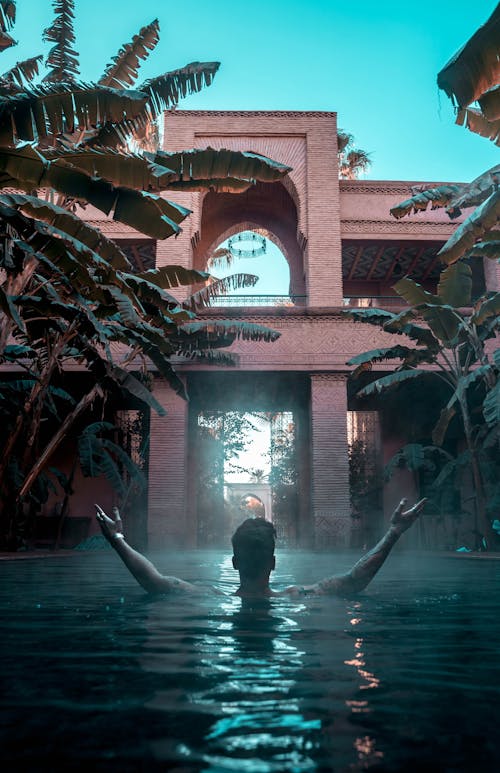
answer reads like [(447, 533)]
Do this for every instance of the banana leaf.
[(6, 41), (66, 221), (455, 285), (392, 380), (168, 89), (41, 112), (370, 316), (62, 58), (489, 103), (25, 70), (482, 219), (410, 356), (7, 14), (148, 213), (171, 276), (131, 384), (414, 294), (218, 288), (474, 68), (486, 249), (123, 169), (8, 306), (440, 429), (401, 325), (123, 68), (463, 460), (442, 319), (491, 406), (14, 352), (437, 197), (474, 193), (223, 185), (488, 308), (210, 357), (476, 122), (209, 163), (246, 331)]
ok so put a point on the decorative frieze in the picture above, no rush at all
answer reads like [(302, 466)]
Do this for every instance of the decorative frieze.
[(397, 227)]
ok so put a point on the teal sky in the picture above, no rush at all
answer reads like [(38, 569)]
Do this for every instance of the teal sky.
[(374, 63)]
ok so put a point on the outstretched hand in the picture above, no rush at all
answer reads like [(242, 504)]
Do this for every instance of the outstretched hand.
[(109, 527), (402, 519)]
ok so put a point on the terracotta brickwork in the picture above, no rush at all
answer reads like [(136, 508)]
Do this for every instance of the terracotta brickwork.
[(308, 216), (168, 470), (330, 468)]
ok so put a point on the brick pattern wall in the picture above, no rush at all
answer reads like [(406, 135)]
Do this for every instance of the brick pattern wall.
[(330, 466), (168, 470)]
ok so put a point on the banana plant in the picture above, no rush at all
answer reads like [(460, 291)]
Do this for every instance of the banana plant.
[(447, 339), (68, 295), (470, 77)]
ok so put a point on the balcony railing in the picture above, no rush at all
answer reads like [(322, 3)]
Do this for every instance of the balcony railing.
[(257, 300), (377, 301), (356, 301)]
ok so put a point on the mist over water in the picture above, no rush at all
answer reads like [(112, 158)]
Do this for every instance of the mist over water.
[(97, 675)]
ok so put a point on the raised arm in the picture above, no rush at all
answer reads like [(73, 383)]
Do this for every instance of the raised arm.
[(367, 567), (140, 567)]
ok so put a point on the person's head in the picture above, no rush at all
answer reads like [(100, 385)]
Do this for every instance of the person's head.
[(253, 548)]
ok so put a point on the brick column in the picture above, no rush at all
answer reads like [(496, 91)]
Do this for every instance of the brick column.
[(167, 526), (324, 252), (330, 465)]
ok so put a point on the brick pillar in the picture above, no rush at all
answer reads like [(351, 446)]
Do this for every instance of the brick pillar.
[(167, 526), (324, 251), (330, 465)]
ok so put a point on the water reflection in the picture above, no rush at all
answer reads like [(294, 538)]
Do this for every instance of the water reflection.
[(96, 676)]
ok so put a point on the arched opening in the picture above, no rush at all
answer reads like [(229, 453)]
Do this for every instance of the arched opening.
[(248, 249), (266, 209)]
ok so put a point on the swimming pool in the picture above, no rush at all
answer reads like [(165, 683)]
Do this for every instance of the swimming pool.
[(97, 676)]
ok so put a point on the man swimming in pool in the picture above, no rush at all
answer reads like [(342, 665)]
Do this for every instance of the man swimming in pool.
[(253, 557)]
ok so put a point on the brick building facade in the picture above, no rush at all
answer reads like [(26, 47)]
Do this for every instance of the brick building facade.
[(343, 248)]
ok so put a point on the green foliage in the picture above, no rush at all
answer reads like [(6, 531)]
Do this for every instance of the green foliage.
[(67, 293), (459, 358)]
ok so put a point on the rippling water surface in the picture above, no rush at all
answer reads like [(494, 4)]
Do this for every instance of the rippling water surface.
[(97, 676)]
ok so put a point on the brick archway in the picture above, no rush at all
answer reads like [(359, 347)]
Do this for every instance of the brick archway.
[(266, 208), (249, 226)]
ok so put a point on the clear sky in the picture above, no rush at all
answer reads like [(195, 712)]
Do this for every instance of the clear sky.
[(374, 63)]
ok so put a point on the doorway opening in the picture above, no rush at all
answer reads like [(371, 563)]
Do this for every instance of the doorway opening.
[(249, 455)]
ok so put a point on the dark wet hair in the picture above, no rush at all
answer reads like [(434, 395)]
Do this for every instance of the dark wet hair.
[(253, 545)]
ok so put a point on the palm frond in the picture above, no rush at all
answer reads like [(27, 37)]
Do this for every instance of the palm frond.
[(62, 58), (123, 68), (354, 163)]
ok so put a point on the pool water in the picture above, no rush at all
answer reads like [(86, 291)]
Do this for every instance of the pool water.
[(98, 676)]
